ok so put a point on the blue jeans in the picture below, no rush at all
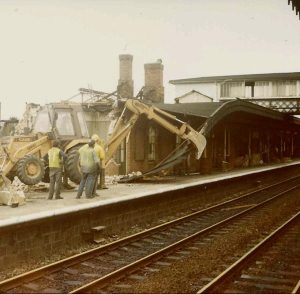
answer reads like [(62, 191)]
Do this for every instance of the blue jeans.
[(87, 182)]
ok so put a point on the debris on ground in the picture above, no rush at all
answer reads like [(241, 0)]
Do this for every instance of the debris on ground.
[(19, 186), (11, 195), (130, 177)]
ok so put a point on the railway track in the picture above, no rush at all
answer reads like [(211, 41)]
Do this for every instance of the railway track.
[(272, 266), (99, 267)]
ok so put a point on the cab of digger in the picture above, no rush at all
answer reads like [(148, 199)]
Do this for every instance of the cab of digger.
[(67, 121)]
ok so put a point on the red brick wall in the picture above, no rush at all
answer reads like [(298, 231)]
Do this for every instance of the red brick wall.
[(139, 140)]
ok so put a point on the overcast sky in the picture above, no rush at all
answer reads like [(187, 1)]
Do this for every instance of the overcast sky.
[(49, 49)]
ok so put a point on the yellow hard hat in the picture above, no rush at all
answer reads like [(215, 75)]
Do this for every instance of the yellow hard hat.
[(95, 137)]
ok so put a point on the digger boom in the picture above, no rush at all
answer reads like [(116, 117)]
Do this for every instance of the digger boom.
[(136, 108)]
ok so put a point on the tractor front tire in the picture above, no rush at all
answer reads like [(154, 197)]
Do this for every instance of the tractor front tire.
[(72, 165), (30, 170)]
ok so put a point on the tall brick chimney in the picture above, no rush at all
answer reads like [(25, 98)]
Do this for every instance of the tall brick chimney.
[(154, 90), (125, 83)]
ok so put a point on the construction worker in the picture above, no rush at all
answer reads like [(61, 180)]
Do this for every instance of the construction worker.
[(88, 161), (101, 154), (56, 157)]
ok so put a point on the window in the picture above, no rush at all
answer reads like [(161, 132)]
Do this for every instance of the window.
[(284, 88), (291, 88), (120, 153), (83, 127), (42, 123), (279, 88), (232, 89), (64, 124), (261, 89), (152, 144)]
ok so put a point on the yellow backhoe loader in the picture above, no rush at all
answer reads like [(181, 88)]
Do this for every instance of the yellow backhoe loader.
[(25, 156)]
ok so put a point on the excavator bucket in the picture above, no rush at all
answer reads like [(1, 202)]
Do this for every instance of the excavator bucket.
[(199, 141), (177, 156)]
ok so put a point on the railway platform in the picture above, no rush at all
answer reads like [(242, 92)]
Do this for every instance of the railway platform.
[(38, 206)]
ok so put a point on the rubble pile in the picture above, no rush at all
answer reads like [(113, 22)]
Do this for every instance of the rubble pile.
[(12, 194), (113, 180), (17, 185)]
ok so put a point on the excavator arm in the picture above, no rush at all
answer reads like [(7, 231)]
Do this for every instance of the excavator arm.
[(134, 109)]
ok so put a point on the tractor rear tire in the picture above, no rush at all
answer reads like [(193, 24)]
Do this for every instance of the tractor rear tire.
[(30, 170), (72, 165)]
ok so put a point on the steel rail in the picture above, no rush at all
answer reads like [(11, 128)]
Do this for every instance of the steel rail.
[(126, 270), (75, 259), (246, 258)]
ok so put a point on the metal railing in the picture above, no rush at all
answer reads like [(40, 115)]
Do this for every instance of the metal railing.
[(281, 104)]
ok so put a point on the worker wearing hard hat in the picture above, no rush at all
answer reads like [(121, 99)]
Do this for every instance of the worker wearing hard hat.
[(99, 149), (88, 163)]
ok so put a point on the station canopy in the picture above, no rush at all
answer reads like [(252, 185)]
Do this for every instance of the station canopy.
[(213, 112)]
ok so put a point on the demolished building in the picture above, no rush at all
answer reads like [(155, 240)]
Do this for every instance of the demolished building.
[(238, 133)]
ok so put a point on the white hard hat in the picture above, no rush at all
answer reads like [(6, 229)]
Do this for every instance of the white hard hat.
[(95, 137)]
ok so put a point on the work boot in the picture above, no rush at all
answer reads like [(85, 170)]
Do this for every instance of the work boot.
[(67, 186), (96, 195), (65, 182), (50, 198), (58, 197), (78, 197)]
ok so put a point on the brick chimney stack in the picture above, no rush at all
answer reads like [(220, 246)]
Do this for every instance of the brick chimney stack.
[(125, 83), (154, 90)]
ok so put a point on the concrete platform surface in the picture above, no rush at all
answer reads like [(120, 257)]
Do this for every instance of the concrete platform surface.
[(38, 206)]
